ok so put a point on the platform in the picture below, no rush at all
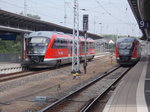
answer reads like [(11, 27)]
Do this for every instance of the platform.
[(8, 67), (133, 92)]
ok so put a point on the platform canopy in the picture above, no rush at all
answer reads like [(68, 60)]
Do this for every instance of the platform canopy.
[(141, 9), (10, 22)]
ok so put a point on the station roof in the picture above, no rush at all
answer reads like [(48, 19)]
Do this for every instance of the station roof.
[(141, 9), (10, 22)]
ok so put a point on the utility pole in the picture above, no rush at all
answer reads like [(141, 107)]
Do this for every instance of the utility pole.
[(94, 24), (100, 28), (25, 7), (75, 43), (65, 13)]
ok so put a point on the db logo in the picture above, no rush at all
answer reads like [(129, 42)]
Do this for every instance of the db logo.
[(60, 53)]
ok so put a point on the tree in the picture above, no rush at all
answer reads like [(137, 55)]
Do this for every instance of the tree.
[(32, 16), (7, 46)]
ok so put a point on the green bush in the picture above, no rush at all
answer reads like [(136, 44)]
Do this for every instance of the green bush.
[(9, 47)]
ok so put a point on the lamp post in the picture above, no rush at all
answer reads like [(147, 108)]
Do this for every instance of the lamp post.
[(25, 7), (100, 28)]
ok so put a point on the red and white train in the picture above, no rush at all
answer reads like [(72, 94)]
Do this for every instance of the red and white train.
[(46, 49), (128, 51)]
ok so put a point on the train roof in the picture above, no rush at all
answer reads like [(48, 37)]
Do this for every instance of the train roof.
[(42, 33), (129, 39), (50, 33)]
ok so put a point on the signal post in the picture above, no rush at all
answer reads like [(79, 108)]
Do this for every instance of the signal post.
[(85, 28)]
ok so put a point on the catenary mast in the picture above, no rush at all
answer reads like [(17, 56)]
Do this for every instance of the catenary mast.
[(75, 45)]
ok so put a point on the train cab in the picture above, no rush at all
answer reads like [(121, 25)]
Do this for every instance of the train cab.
[(128, 51)]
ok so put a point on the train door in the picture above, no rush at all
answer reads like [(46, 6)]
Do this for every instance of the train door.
[(25, 42)]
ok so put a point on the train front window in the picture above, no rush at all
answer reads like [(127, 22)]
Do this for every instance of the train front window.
[(36, 40), (36, 49), (125, 48), (123, 45), (37, 45)]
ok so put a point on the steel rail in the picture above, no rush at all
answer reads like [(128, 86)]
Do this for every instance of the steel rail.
[(61, 100), (89, 105), (15, 76)]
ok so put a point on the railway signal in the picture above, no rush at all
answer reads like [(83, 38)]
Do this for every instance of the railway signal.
[(85, 22)]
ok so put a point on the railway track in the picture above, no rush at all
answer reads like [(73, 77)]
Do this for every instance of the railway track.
[(53, 85), (16, 75), (85, 97), (12, 76)]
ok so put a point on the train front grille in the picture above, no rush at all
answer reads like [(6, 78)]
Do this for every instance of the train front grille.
[(36, 59), (125, 58)]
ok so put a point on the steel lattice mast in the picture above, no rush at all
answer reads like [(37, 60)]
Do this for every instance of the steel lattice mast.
[(75, 44), (25, 7)]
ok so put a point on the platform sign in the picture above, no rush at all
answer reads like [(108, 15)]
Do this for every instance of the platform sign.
[(144, 24), (85, 22), (8, 37)]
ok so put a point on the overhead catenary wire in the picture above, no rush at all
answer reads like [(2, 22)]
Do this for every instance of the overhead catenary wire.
[(109, 13), (46, 9), (129, 23), (32, 11)]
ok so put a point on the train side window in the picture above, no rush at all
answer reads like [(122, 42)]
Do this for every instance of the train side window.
[(69, 46), (59, 43), (92, 45), (83, 47), (54, 44), (65, 43), (68, 42), (87, 46), (71, 42)]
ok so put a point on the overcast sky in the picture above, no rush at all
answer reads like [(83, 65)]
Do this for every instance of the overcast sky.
[(105, 16)]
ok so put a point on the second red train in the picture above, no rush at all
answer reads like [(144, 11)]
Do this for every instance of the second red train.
[(128, 51)]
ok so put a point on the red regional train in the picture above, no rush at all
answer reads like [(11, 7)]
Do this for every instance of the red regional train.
[(48, 49), (128, 51)]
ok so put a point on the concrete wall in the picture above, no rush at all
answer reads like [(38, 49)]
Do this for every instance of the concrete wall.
[(10, 58)]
